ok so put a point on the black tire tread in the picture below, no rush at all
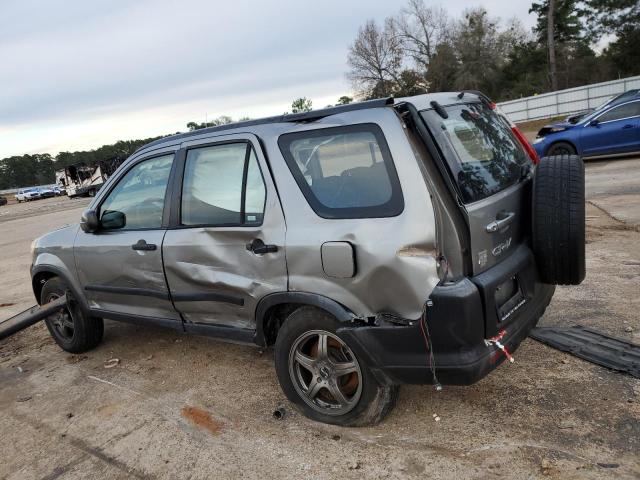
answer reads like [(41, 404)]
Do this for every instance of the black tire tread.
[(559, 219), (88, 331)]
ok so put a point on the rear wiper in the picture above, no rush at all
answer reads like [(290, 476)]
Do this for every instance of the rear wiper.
[(439, 109)]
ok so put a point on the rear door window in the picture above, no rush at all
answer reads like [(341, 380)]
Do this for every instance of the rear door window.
[(222, 186), (481, 151), (344, 172)]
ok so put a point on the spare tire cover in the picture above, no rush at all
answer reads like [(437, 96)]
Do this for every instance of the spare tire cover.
[(558, 230)]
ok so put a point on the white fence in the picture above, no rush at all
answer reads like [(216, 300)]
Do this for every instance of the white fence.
[(564, 102)]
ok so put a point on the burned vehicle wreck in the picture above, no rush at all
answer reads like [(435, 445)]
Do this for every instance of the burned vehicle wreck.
[(375, 244), (85, 179)]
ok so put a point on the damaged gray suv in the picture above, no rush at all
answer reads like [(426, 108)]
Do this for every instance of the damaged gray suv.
[(375, 244)]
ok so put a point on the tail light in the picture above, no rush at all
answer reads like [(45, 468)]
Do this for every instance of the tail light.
[(526, 144), (533, 155)]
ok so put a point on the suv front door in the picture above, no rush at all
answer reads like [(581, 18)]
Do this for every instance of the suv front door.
[(120, 265), (225, 248)]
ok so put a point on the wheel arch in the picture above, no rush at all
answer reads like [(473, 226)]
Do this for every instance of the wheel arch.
[(41, 273), (274, 308), (571, 142)]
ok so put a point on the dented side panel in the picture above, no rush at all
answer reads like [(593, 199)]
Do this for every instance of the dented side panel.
[(395, 257), (213, 278)]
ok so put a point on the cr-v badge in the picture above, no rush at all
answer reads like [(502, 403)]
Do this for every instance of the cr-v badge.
[(501, 247)]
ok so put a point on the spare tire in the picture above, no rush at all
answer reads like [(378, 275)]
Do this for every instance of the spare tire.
[(558, 230)]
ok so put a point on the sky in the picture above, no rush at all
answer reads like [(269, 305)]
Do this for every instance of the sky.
[(78, 74)]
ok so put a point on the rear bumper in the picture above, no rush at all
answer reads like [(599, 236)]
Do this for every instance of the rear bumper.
[(459, 318)]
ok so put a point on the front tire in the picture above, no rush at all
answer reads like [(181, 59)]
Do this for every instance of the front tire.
[(71, 329), (561, 148), (322, 376)]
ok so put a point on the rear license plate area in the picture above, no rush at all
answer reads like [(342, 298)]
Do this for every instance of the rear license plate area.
[(508, 298)]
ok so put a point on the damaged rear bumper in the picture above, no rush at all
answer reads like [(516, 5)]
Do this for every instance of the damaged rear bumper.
[(458, 324)]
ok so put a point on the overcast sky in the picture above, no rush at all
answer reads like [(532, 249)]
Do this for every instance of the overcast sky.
[(77, 74)]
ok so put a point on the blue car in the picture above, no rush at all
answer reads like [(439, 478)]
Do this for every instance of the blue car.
[(611, 130)]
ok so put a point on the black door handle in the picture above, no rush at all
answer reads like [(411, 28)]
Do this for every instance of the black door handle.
[(500, 223), (628, 125), (258, 247), (144, 246)]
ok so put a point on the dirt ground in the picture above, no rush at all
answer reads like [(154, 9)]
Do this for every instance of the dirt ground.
[(179, 406)]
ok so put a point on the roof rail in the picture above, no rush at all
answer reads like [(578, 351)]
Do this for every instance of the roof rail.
[(291, 117)]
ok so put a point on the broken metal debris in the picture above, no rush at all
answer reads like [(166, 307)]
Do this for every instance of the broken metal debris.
[(594, 346)]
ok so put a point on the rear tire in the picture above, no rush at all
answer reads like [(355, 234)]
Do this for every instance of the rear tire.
[(359, 399), (561, 148), (71, 329), (558, 233)]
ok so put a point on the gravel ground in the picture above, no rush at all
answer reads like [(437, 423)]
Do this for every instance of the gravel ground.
[(179, 406)]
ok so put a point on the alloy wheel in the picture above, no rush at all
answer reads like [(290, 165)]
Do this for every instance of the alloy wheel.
[(62, 320), (325, 372)]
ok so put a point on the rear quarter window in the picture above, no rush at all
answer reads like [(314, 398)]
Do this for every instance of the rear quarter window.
[(482, 153), (344, 172)]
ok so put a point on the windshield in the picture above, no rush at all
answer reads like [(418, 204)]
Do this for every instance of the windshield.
[(481, 151)]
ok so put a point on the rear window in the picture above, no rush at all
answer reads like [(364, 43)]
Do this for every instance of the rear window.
[(344, 172), (483, 154)]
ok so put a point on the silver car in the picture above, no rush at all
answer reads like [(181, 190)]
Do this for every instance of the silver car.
[(372, 245)]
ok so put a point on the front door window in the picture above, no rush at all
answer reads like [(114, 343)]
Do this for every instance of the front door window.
[(139, 196)]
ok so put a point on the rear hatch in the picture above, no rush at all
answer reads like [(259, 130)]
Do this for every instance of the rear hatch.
[(491, 172)]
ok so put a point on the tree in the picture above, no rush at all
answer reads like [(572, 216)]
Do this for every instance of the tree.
[(301, 105), (221, 120), (443, 68), (560, 30), (622, 19), (522, 74), (26, 171), (551, 44), (344, 100), (375, 60), (567, 25), (482, 50), (421, 29)]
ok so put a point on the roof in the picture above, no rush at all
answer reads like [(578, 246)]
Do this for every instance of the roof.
[(421, 102), (292, 117)]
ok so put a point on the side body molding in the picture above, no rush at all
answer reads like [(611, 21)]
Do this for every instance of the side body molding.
[(301, 298)]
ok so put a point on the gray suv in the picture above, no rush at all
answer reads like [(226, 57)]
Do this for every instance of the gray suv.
[(374, 244)]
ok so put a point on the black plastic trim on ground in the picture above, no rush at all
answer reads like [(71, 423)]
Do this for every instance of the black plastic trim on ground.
[(27, 318), (594, 346)]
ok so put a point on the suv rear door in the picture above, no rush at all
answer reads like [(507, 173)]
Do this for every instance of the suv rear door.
[(490, 171), (488, 166), (225, 248)]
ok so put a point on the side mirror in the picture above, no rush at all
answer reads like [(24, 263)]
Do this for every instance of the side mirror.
[(594, 122), (113, 220), (89, 221)]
